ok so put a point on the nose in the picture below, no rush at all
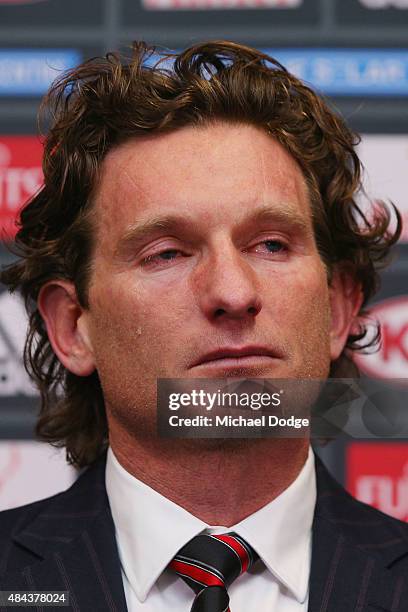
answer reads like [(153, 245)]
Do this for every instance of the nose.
[(227, 286)]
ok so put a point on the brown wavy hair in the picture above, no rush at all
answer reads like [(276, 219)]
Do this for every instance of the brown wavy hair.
[(106, 101)]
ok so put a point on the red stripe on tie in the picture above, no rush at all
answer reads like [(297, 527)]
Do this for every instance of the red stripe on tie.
[(239, 549), (196, 573)]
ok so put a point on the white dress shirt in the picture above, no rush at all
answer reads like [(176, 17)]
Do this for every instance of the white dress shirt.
[(150, 529)]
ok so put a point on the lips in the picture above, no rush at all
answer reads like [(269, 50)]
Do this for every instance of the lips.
[(236, 354)]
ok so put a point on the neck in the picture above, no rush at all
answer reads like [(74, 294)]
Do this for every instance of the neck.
[(219, 481)]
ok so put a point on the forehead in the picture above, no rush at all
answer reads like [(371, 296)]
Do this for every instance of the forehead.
[(211, 172)]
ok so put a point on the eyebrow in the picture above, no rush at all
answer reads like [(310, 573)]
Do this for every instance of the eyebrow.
[(283, 215), (137, 234)]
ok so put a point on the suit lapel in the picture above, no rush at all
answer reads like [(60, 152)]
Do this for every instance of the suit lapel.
[(351, 551), (70, 546), (74, 539)]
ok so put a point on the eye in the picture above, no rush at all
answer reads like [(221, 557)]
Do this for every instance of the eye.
[(161, 258), (271, 246), (274, 246)]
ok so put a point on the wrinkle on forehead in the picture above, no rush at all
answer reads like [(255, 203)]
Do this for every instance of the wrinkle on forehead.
[(117, 166), (113, 193), (169, 145), (285, 159), (134, 171), (263, 171)]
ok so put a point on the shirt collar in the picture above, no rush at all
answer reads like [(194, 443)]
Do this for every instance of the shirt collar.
[(150, 529), (281, 531)]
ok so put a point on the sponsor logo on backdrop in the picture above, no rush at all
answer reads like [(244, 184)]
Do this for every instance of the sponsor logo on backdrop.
[(21, 1), (385, 160), (31, 72), (9, 465), (30, 471), (391, 361), (13, 325), (384, 4), (170, 5), (20, 177), (377, 474), (348, 72)]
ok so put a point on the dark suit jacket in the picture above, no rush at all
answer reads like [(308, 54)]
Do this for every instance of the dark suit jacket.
[(67, 543)]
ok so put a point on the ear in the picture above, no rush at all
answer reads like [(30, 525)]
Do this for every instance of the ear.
[(346, 298), (67, 328)]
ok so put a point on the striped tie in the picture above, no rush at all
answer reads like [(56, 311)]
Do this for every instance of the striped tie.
[(209, 564)]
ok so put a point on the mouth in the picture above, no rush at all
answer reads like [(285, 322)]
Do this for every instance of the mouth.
[(237, 357)]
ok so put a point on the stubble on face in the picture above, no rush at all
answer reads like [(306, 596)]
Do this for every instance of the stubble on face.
[(149, 325)]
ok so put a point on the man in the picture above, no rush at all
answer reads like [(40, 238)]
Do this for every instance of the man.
[(197, 220)]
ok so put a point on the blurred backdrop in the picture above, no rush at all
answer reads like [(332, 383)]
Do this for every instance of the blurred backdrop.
[(353, 51)]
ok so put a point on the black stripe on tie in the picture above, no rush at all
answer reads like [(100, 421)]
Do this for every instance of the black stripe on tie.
[(220, 561), (201, 564), (211, 599), (249, 550), (205, 549)]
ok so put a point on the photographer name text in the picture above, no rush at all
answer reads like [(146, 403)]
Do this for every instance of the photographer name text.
[(238, 421)]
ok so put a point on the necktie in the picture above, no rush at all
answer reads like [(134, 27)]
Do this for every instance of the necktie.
[(209, 564)]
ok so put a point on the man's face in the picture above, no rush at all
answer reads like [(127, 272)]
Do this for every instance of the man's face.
[(205, 266)]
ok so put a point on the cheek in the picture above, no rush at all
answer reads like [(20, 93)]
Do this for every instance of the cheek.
[(114, 320), (301, 297), (311, 306), (137, 322), (304, 310), (135, 337)]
